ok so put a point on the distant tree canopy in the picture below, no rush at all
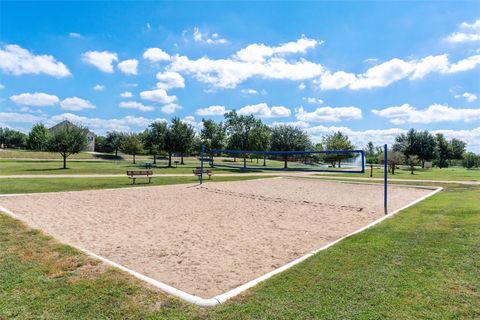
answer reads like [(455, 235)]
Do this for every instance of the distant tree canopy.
[(213, 135), (114, 140), (131, 144), (38, 137), (471, 160), (337, 141), (10, 138), (289, 138), (420, 144), (67, 140), (154, 138)]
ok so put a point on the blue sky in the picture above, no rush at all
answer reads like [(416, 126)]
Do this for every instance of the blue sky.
[(371, 69)]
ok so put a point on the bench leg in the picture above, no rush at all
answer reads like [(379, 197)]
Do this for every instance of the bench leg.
[(133, 180), (149, 179)]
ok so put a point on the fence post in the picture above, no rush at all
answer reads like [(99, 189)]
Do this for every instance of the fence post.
[(385, 173)]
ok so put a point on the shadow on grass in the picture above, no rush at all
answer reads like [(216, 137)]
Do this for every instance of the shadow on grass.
[(48, 169)]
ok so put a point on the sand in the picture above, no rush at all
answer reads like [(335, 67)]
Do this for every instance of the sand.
[(208, 240)]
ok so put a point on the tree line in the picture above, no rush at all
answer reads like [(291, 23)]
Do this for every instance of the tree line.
[(239, 132)]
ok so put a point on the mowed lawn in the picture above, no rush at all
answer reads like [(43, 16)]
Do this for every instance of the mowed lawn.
[(446, 174), (421, 264)]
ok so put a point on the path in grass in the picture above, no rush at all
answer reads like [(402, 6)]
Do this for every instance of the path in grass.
[(421, 264)]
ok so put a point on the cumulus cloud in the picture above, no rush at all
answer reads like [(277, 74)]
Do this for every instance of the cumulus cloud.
[(14, 117), (469, 32), (102, 60), (388, 72), (158, 95), (312, 100), (170, 108), (205, 37), (135, 105), (156, 55), (257, 60), (76, 104), (212, 111), (17, 61), (36, 99), (2, 86), (329, 114), (434, 113), (75, 35), (99, 87), (264, 111), (126, 94), (301, 86), (470, 97), (300, 124), (169, 80), (249, 91), (129, 66)]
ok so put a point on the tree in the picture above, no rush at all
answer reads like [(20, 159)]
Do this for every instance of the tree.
[(471, 160), (102, 145), (213, 134), (114, 140), (10, 138), (67, 140), (260, 138), (457, 148), (38, 137), (238, 128), (131, 144), (337, 141), (410, 145), (154, 138), (412, 161), (372, 152), (182, 135), (427, 146), (443, 150), (394, 159), (289, 138)]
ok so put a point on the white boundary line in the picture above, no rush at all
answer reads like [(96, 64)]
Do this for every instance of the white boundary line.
[(221, 298)]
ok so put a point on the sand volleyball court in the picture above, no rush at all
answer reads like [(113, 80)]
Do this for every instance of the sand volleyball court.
[(208, 240)]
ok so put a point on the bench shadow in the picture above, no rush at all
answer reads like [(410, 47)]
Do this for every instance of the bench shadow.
[(49, 169)]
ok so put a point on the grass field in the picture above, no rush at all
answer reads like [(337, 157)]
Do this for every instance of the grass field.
[(421, 264), (447, 174)]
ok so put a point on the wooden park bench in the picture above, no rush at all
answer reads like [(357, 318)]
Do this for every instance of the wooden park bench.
[(198, 171), (134, 174)]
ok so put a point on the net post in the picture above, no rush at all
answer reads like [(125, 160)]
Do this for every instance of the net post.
[(363, 161), (385, 182), (201, 163)]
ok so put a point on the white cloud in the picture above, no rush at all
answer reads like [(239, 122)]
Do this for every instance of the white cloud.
[(388, 72), (135, 105), (300, 124), (2, 86), (126, 94), (101, 126), (302, 86), (312, 100), (158, 95), (129, 66), (17, 61), (170, 108), (36, 99), (434, 113), (470, 97), (470, 32), (156, 55), (15, 117), (262, 110), (76, 104), (370, 60), (99, 87), (103, 60), (212, 111), (169, 80), (329, 114), (215, 38), (259, 52), (75, 35), (249, 91)]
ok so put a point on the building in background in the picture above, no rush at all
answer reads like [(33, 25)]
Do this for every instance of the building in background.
[(90, 135)]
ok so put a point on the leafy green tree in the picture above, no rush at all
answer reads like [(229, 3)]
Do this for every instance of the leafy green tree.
[(38, 137), (372, 152), (182, 135), (471, 160), (67, 140), (213, 134), (102, 145), (457, 148), (260, 139), (154, 138), (114, 140), (10, 138), (337, 141), (131, 144), (443, 150), (427, 144), (395, 158), (289, 138)]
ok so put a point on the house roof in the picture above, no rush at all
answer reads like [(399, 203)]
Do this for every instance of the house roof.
[(68, 123)]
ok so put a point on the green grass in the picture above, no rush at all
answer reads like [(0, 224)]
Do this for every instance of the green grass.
[(447, 174), (421, 264), (28, 154), (31, 185)]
